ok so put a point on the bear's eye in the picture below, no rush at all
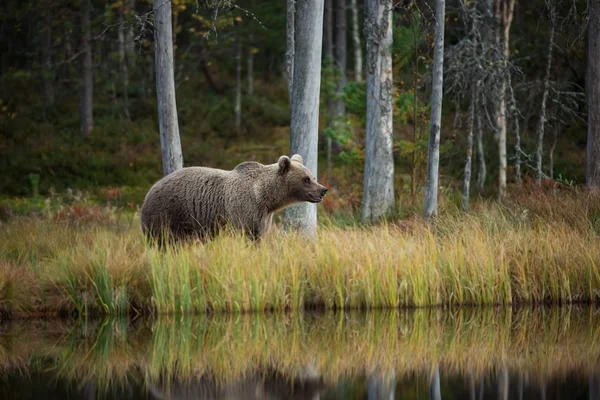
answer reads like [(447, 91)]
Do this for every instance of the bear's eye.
[(307, 180)]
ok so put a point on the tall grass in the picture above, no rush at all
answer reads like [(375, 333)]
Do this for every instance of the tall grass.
[(525, 251), (540, 343)]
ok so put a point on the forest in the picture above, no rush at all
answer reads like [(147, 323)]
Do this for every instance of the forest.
[(458, 141)]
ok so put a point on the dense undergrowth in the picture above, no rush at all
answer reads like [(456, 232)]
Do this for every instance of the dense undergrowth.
[(93, 260)]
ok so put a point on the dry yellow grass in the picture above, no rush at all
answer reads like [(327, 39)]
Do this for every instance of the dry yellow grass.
[(542, 250)]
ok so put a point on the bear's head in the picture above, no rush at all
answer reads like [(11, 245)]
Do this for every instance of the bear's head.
[(300, 182)]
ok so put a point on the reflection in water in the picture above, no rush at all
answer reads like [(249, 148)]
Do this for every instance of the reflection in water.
[(469, 354)]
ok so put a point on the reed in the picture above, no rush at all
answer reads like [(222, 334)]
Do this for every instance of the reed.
[(525, 251)]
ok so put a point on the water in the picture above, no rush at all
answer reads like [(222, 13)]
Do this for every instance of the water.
[(424, 354)]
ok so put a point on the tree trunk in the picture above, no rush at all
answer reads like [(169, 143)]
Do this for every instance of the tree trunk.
[(592, 173), (305, 103), (468, 162), (123, 63), (435, 392), (482, 170), (328, 62), (250, 66), (378, 187), (515, 114), (170, 143), (129, 35), (86, 102), (504, 16), (556, 130), (290, 46), (540, 130), (340, 58), (358, 56), (433, 150), (238, 87), (47, 70)]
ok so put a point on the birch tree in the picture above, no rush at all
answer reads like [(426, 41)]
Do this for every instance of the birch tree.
[(124, 69), (340, 57), (378, 186), (289, 45), (504, 15), (540, 129), (433, 150), (328, 62), (358, 56), (305, 103), (172, 158), (86, 98), (592, 173)]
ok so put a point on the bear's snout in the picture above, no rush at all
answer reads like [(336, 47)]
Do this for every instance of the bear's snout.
[(323, 191)]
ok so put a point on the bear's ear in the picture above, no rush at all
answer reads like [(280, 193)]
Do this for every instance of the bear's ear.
[(284, 164), (298, 158)]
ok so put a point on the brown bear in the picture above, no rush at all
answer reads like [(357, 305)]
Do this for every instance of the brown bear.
[(197, 202)]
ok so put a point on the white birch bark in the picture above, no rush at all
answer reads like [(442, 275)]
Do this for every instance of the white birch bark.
[(592, 173), (305, 103), (433, 156), (504, 16), (378, 186), (122, 46), (290, 46), (517, 131), (358, 55), (172, 158), (539, 153), (86, 102), (328, 62)]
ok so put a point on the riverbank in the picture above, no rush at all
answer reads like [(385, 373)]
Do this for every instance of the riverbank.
[(535, 249)]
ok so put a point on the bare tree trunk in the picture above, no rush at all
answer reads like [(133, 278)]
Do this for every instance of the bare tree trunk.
[(468, 162), (433, 150), (592, 173), (556, 130), (540, 130), (47, 72), (129, 35), (86, 102), (305, 103), (123, 63), (238, 87), (515, 114), (290, 46), (250, 66), (328, 55), (435, 392), (415, 152), (482, 170), (378, 187), (504, 15), (340, 57), (170, 143), (358, 56)]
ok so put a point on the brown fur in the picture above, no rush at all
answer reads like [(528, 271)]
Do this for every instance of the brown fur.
[(198, 202)]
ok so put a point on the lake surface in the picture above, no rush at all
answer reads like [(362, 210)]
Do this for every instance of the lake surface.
[(541, 353)]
